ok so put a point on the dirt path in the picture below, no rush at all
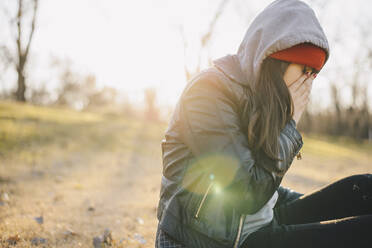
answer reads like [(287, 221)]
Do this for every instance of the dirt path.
[(313, 172), (81, 194)]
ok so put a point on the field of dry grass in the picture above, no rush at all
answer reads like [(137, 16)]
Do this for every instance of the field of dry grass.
[(67, 177)]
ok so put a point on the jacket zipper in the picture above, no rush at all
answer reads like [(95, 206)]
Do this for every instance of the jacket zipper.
[(202, 201), (240, 221), (239, 231)]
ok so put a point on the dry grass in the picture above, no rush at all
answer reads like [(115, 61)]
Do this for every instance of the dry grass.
[(85, 172), (326, 160)]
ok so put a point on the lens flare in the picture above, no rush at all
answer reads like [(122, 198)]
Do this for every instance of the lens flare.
[(216, 167)]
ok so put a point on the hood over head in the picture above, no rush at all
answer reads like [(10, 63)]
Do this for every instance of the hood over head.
[(282, 24)]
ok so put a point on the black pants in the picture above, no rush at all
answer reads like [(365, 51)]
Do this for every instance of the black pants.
[(337, 215)]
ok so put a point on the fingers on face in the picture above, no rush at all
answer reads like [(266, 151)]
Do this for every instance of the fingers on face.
[(306, 89), (308, 69), (296, 85)]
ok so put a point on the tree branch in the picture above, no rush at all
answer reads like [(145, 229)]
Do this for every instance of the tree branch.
[(36, 3), (207, 37), (5, 53), (19, 35)]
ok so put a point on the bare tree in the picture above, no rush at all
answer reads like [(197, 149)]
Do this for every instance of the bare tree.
[(6, 59), (39, 95), (151, 112), (24, 24), (205, 40), (337, 108), (70, 89)]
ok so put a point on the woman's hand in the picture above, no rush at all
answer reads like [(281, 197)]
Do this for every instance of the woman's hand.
[(300, 92)]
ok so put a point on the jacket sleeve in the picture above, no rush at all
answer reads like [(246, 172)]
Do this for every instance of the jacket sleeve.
[(287, 195), (212, 126)]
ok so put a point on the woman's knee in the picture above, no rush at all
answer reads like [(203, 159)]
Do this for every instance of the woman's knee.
[(363, 182), (357, 178), (358, 183)]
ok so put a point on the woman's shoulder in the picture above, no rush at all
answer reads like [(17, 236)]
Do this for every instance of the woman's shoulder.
[(212, 80)]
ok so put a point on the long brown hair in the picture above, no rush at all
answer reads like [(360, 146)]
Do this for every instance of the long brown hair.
[(271, 108)]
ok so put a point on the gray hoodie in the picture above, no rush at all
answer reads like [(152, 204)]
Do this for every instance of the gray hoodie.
[(282, 24)]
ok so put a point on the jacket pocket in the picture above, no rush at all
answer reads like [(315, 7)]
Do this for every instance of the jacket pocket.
[(213, 218)]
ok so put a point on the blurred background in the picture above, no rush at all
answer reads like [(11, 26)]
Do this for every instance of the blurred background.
[(87, 88)]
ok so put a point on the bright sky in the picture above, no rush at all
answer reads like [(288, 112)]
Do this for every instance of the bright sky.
[(131, 45)]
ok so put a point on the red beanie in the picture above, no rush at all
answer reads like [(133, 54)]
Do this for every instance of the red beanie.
[(304, 54)]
